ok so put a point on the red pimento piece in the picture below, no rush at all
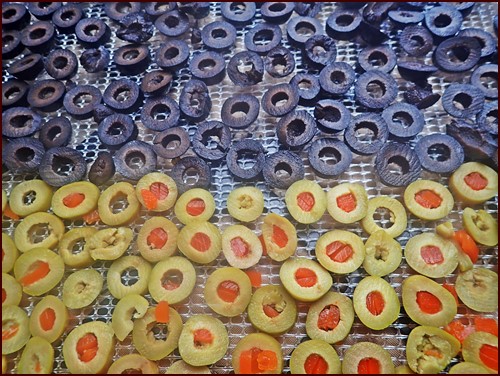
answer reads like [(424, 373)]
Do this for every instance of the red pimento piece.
[(484, 324), (428, 199), (4, 295), (195, 207), (10, 214), (10, 332), (87, 347), (264, 249), (37, 271), (157, 238), (248, 361), (162, 312), (375, 303), (228, 291), (315, 365), (489, 356), (459, 330), (431, 255), (347, 202), (369, 366), (476, 181), (202, 337), (255, 277), (467, 244), (305, 277), (150, 200), (305, 201), (270, 310), (279, 237), (73, 199), (160, 190), (92, 217), (267, 360), (339, 252), (239, 247), (428, 303), (47, 319), (329, 318), (201, 242)]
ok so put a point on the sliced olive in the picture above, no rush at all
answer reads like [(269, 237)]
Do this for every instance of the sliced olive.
[(340, 251), (481, 226), (280, 237), (272, 310), (89, 348), (195, 205), (347, 202), (397, 221), (305, 279), (49, 318), (367, 357), (315, 357), (74, 200), (118, 204), (12, 291), (253, 345), (474, 183), (330, 318), (145, 341), (427, 302), (306, 201), (72, 247), (37, 357), (180, 367), (383, 254), (203, 340), (431, 255), (481, 348), (162, 186), (478, 289), (428, 200), (200, 242), (129, 307), (81, 288), (30, 197), (467, 368), (9, 253), (430, 349), (110, 243), (228, 291), (172, 280), (128, 275), (157, 239), (241, 247), (15, 329), (376, 303), (39, 271), (26, 234), (133, 363), (245, 204)]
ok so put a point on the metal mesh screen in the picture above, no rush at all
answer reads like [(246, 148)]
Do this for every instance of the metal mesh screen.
[(361, 171)]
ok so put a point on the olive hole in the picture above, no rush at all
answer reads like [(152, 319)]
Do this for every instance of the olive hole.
[(489, 80), (62, 166), (398, 165), (330, 156), (39, 232), (237, 8), (280, 99), (171, 142), (458, 54), (60, 62), (77, 246), (366, 132), (21, 121), (68, 15), (219, 34), (417, 41), (129, 276), (282, 170), (160, 112), (375, 89), (442, 20), (7, 40), (171, 21), (37, 33), (206, 65), (29, 197), (277, 7), (91, 30), (130, 54), (279, 63), (9, 13), (337, 77), (383, 217), (245, 66), (43, 5), (318, 50), (377, 59), (46, 92), (439, 152), (305, 84), (171, 279), (240, 109), (81, 100), (344, 20), (305, 28), (402, 119), (331, 114), (116, 129), (12, 93), (25, 154), (171, 53), (122, 95), (160, 331), (263, 37), (246, 158), (135, 160), (123, 7), (295, 128), (190, 176), (212, 139), (118, 203), (462, 101)]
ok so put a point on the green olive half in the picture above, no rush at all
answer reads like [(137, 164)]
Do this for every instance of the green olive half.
[(37, 357)]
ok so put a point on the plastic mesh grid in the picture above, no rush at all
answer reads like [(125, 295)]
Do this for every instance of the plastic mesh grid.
[(361, 171)]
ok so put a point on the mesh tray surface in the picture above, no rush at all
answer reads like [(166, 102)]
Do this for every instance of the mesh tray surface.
[(361, 171)]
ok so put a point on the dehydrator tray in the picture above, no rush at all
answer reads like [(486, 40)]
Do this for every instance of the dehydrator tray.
[(361, 171)]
